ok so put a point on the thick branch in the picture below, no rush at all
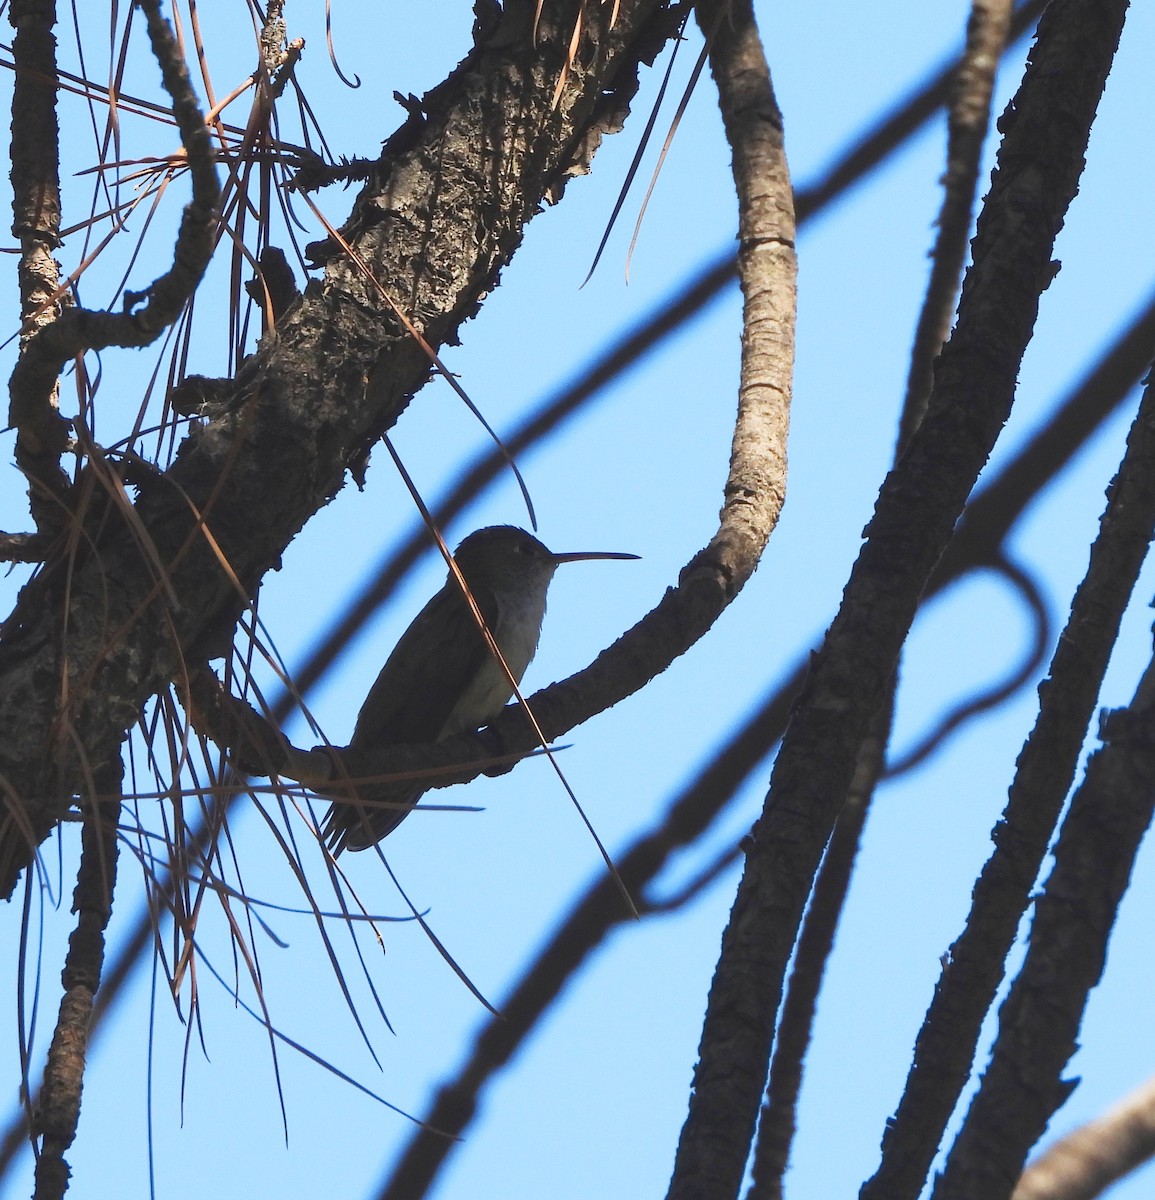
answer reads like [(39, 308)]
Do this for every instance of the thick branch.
[(968, 119), (440, 218), (1039, 164), (974, 968)]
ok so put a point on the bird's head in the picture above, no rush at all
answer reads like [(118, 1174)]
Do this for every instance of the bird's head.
[(506, 558)]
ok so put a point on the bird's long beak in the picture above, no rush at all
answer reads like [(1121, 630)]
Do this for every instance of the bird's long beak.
[(585, 555)]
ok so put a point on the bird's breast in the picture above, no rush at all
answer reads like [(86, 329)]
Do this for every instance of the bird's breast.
[(516, 630)]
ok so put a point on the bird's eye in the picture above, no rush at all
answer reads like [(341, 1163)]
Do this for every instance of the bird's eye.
[(525, 548)]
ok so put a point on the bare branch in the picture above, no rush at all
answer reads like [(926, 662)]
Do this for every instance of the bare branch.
[(968, 119), (969, 116), (490, 149), (74, 331), (946, 1043), (698, 883), (920, 503), (1091, 1158), (42, 434), (1039, 1021), (58, 1104), (778, 1120), (23, 547)]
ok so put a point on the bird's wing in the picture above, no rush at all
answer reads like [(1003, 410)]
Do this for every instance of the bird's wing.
[(422, 680), (411, 701)]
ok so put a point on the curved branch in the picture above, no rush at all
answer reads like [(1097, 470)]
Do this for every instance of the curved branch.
[(998, 693), (756, 484), (442, 215), (78, 330), (42, 434)]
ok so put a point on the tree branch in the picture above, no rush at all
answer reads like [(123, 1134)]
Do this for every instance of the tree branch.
[(42, 433), (442, 215), (777, 1121), (944, 1051), (58, 1104), (1039, 1021), (1046, 132), (968, 120), (74, 331), (1089, 1159)]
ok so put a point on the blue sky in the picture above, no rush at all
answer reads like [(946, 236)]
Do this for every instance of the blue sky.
[(594, 1103)]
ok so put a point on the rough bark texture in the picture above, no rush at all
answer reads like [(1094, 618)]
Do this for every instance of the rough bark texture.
[(103, 628), (1039, 1021), (974, 968), (968, 118), (58, 1104), (43, 433), (920, 502)]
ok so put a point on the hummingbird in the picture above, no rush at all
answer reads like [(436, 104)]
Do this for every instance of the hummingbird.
[(442, 677)]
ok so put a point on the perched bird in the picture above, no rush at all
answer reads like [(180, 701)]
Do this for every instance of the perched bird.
[(442, 678)]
